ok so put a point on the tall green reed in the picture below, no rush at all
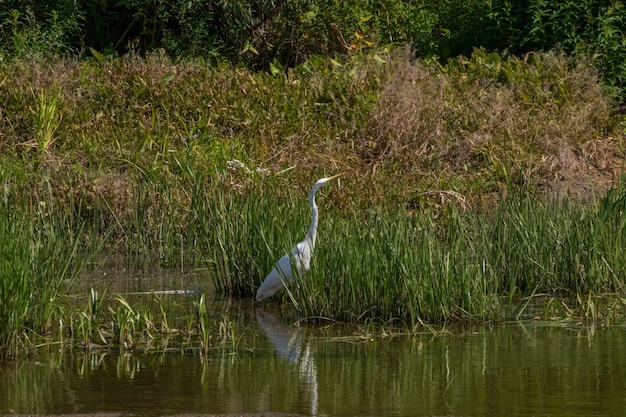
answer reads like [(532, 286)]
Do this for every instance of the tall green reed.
[(38, 256), (461, 265), (555, 246), (396, 266), (249, 234)]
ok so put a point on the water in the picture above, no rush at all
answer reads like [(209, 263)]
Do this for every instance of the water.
[(514, 369)]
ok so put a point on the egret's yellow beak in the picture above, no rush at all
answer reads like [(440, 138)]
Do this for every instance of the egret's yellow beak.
[(335, 176)]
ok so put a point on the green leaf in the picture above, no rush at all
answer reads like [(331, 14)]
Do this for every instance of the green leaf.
[(273, 69), (99, 57)]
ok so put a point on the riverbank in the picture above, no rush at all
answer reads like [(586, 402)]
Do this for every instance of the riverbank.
[(449, 170), (406, 132)]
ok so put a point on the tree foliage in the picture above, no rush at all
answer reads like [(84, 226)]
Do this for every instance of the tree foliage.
[(260, 33)]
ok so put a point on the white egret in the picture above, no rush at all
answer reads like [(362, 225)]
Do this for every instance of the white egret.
[(282, 273)]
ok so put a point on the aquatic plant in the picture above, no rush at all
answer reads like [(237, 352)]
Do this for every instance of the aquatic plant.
[(202, 321), (246, 240), (459, 266), (216, 331), (435, 266), (151, 322), (126, 322), (37, 258), (88, 324)]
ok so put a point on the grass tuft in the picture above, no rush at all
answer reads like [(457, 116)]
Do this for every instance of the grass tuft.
[(38, 257)]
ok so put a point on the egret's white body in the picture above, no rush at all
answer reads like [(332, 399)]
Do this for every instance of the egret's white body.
[(282, 273)]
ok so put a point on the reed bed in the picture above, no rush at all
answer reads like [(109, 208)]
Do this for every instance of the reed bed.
[(456, 264), (381, 268), (397, 267)]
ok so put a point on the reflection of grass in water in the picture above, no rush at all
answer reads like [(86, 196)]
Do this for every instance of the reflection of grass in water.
[(394, 368)]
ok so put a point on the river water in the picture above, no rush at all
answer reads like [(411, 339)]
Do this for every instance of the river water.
[(509, 369)]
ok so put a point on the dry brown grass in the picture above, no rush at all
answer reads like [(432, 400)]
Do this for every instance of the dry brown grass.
[(533, 122)]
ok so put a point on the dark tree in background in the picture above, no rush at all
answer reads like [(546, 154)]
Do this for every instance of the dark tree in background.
[(260, 33)]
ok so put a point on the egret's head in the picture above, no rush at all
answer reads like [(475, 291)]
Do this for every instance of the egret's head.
[(323, 181), (320, 183)]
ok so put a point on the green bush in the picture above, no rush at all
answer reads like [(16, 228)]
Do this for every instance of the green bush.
[(578, 27), (262, 33), (33, 27)]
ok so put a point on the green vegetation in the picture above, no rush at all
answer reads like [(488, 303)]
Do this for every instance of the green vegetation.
[(39, 252), (265, 34), (156, 322), (472, 181), (151, 133), (464, 265), (140, 322)]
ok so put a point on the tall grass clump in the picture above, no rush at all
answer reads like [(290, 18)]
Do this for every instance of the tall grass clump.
[(249, 233), (38, 255), (427, 268), (397, 266), (558, 246), (612, 237), (539, 245)]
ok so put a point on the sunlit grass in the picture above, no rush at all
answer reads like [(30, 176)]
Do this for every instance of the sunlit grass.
[(396, 266), (400, 126), (38, 256), (150, 323), (463, 265)]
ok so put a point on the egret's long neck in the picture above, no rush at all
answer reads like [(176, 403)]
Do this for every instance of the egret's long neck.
[(314, 215)]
